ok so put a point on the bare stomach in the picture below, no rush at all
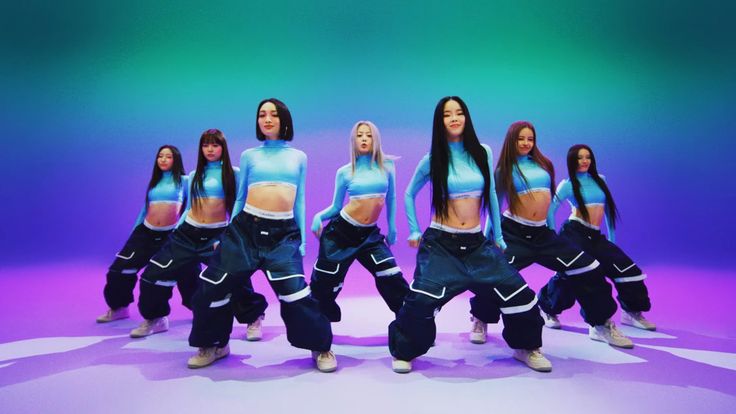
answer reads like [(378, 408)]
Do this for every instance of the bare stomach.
[(209, 210), (533, 206), (462, 213), (277, 198), (365, 210), (595, 215), (163, 214)]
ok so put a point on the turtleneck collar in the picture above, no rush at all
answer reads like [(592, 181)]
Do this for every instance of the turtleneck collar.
[(274, 143), (213, 164), (456, 146)]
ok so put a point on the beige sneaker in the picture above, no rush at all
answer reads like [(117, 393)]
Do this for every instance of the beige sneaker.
[(326, 361), (150, 327), (113, 315), (609, 333), (400, 366), (534, 359), (637, 320), (206, 356), (254, 332), (478, 332)]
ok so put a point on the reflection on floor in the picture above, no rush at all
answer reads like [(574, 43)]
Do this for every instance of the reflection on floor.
[(55, 358)]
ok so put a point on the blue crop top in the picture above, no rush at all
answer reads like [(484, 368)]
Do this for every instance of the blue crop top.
[(592, 196), (537, 179), (367, 181), (464, 180), (165, 191), (211, 183), (274, 162)]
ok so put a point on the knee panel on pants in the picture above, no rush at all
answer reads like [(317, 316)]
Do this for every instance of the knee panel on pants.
[(289, 284), (514, 296), (424, 299)]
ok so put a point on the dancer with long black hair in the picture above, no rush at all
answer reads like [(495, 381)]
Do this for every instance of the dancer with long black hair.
[(591, 201), (454, 255), (166, 194)]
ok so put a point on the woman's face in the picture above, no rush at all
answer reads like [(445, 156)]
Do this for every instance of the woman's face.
[(165, 160), (212, 151), (364, 140), (454, 119), (525, 142), (584, 160), (268, 120)]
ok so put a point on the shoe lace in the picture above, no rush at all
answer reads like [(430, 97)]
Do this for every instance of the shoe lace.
[(326, 355), (615, 333), (478, 326), (204, 352)]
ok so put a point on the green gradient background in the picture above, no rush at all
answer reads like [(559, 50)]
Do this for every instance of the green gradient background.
[(91, 89)]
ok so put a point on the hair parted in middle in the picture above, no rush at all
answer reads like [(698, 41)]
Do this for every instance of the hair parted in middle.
[(572, 168), (377, 155), (211, 136), (286, 132), (439, 162)]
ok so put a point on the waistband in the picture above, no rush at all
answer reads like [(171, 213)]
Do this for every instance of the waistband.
[(584, 223), (158, 228), (467, 194), (195, 223), (262, 183), (353, 221), (273, 215), (522, 220), (453, 230), (364, 196)]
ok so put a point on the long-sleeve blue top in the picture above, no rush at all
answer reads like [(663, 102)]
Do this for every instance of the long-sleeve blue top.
[(165, 191), (464, 180), (368, 180), (278, 163), (592, 196), (212, 185)]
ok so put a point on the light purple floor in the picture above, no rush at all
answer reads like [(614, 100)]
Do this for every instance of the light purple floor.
[(55, 358)]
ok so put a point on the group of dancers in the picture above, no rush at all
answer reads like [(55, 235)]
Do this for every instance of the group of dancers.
[(237, 220)]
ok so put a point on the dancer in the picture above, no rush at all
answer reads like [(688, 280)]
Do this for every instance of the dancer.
[(525, 177), (166, 194), (267, 234), (454, 255), (212, 195), (591, 200), (352, 233)]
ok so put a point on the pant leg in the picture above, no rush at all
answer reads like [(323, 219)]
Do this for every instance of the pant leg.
[(377, 258), (176, 259), (623, 272), (122, 275), (582, 274), (233, 262), (438, 277), (247, 304), (517, 254), (499, 283), (328, 273), (306, 326), (187, 283)]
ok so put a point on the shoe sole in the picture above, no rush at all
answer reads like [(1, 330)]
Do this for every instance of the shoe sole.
[(478, 341), (599, 339), (327, 370), (643, 328), (192, 366), (111, 320), (132, 335), (553, 326), (538, 369), (253, 338), (401, 370)]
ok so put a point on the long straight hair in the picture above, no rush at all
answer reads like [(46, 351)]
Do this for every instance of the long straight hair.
[(572, 169), (228, 176), (439, 159), (508, 161), (177, 169), (377, 155)]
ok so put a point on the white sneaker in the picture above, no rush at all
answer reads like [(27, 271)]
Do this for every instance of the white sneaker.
[(550, 321), (610, 334), (150, 327), (400, 366), (637, 320), (113, 315), (534, 359), (206, 356), (326, 361), (254, 332), (478, 332)]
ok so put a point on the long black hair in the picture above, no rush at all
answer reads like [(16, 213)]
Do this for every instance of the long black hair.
[(228, 176), (509, 159), (286, 132), (439, 159), (572, 169), (177, 169)]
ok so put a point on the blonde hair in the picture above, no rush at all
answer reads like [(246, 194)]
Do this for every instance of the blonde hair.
[(377, 155)]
